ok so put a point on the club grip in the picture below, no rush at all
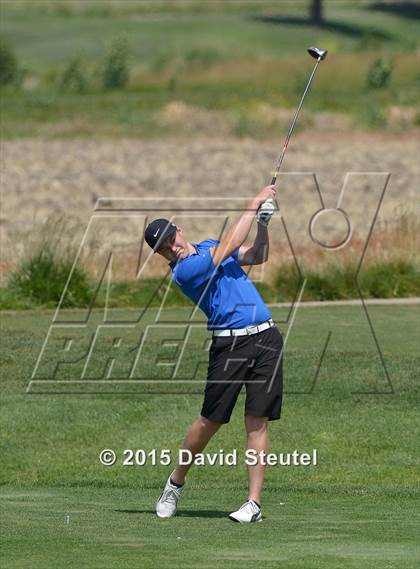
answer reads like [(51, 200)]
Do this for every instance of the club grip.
[(273, 180)]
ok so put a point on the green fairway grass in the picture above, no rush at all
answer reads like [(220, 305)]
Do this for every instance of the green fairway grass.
[(232, 36), (224, 61), (118, 529), (355, 508)]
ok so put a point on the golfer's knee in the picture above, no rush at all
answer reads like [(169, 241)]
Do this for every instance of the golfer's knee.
[(255, 424), (206, 425)]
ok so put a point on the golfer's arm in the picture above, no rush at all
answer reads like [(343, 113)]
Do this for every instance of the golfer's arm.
[(236, 234), (257, 253)]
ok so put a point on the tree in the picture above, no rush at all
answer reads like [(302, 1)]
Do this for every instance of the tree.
[(316, 12), (9, 69), (117, 68)]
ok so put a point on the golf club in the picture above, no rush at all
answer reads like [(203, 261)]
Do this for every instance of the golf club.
[(319, 54)]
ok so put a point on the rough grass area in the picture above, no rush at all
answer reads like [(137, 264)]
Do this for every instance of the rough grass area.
[(357, 508), (45, 276), (40, 282)]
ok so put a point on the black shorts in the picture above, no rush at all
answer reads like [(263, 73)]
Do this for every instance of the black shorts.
[(256, 361)]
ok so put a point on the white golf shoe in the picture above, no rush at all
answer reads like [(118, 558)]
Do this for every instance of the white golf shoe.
[(247, 513), (168, 500)]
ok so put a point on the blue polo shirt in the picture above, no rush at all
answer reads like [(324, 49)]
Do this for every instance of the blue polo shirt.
[(225, 294)]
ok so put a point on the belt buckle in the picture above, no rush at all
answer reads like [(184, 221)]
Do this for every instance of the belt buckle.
[(249, 330)]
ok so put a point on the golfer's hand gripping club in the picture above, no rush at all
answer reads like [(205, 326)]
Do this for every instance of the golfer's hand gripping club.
[(265, 213), (266, 209)]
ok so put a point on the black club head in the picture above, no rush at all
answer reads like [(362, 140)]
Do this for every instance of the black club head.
[(317, 53)]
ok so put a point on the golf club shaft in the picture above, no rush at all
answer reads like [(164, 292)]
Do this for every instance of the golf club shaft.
[(292, 126)]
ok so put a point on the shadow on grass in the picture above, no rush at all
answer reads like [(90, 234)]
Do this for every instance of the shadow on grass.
[(327, 25), (410, 10), (182, 514)]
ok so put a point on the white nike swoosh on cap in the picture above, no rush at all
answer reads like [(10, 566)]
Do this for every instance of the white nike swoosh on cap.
[(155, 234)]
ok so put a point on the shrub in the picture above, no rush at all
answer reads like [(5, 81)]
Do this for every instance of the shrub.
[(116, 71), (390, 279), (41, 276), (386, 279), (9, 68), (379, 73), (74, 77), (370, 113)]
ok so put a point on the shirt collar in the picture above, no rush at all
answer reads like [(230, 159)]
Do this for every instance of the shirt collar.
[(173, 263)]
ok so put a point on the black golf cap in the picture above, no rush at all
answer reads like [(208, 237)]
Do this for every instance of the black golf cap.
[(157, 231)]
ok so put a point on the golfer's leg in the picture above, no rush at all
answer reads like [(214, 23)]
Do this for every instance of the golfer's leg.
[(257, 432), (197, 437)]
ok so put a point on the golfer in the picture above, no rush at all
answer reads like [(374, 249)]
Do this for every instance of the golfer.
[(246, 346)]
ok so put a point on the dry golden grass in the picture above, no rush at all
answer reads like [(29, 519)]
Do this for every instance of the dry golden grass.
[(62, 180), (397, 239)]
